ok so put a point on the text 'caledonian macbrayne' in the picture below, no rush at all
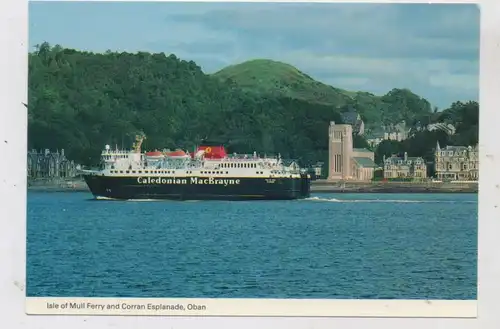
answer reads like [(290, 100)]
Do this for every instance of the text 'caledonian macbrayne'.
[(192, 180)]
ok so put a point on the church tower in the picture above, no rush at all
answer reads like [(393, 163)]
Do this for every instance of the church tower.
[(339, 151)]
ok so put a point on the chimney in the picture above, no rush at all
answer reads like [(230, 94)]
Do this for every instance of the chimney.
[(384, 158), (62, 152), (406, 156)]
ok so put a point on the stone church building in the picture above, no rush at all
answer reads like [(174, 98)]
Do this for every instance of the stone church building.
[(346, 162)]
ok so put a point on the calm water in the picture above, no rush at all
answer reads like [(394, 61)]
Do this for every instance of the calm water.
[(411, 246)]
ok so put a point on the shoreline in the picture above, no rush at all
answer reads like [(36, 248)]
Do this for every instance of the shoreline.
[(318, 186), (324, 186)]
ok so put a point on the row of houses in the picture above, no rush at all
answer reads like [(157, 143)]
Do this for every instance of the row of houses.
[(47, 164), (450, 163)]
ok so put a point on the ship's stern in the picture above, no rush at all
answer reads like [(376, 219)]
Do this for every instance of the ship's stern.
[(305, 185)]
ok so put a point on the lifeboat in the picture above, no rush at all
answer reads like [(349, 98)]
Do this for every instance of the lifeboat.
[(154, 155), (177, 154)]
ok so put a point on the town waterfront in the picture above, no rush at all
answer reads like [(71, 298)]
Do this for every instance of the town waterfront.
[(377, 246)]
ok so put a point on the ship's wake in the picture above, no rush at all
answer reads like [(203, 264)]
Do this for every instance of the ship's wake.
[(319, 199), (103, 198)]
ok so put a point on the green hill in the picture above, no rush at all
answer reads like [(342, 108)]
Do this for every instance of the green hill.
[(81, 101), (267, 77)]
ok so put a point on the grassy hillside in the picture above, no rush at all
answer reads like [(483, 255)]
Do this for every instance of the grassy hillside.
[(265, 76)]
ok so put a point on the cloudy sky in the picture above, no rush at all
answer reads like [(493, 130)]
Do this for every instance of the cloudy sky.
[(431, 49)]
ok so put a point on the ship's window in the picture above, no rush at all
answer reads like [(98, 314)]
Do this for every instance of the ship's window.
[(133, 171), (121, 171), (128, 172), (140, 171), (227, 172)]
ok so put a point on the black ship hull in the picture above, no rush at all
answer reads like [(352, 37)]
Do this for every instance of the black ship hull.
[(198, 188)]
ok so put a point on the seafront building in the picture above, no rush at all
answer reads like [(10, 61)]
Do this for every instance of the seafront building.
[(457, 163), (405, 167), (346, 162), (397, 132), (46, 164)]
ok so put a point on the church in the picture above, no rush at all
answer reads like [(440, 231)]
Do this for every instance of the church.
[(346, 163)]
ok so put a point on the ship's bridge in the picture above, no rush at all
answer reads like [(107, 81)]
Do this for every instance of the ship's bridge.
[(118, 158)]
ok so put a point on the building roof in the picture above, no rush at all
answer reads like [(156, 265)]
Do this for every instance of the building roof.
[(361, 150), (454, 148), (395, 159), (365, 162)]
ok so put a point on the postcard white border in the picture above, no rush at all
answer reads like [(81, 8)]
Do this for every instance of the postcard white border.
[(13, 91), (252, 307)]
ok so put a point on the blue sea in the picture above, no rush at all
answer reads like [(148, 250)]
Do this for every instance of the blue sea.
[(335, 246)]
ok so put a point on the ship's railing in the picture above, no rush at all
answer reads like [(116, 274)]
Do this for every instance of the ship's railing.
[(116, 152)]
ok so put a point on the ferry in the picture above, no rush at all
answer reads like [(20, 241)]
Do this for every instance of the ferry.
[(208, 173)]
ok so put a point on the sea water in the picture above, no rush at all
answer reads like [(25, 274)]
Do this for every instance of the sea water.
[(369, 246)]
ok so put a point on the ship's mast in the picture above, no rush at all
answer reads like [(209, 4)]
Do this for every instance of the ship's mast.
[(138, 142)]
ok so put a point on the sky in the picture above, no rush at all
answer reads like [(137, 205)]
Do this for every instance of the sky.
[(431, 49)]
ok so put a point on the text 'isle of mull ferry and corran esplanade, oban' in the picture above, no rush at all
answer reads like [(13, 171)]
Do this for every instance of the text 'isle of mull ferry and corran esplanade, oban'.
[(209, 173)]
